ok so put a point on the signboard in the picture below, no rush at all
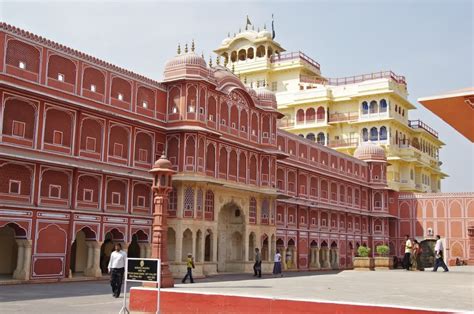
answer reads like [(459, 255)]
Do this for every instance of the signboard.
[(142, 270)]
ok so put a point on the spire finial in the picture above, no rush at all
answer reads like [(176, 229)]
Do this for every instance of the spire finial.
[(218, 60), (210, 61), (264, 26), (186, 48), (202, 54), (240, 30), (233, 68), (258, 84), (192, 46), (228, 34), (258, 29), (179, 49)]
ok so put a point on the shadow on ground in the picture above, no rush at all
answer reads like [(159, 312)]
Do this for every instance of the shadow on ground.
[(24, 292)]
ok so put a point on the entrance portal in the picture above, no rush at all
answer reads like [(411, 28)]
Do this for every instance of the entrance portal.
[(230, 247), (9, 250)]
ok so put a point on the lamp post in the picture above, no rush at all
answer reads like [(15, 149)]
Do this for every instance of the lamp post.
[(162, 174)]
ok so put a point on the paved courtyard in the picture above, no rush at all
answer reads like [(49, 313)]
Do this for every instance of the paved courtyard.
[(439, 291)]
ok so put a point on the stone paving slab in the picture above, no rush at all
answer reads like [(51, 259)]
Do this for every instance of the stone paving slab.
[(452, 291)]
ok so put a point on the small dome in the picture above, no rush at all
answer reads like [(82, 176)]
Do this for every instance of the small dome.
[(267, 98), (251, 92), (185, 59), (186, 65), (370, 152), (162, 163), (264, 34)]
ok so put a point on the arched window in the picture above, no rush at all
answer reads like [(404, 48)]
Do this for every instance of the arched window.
[(373, 107), (260, 51), (233, 56), (173, 203), (321, 139), (301, 135), (383, 105), (250, 53), (300, 116), (311, 137), (320, 114), (310, 115), (374, 134), (383, 133), (265, 211), (242, 54), (365, 108), (253, 210), (209, 206), (365, 134), (188, 202)]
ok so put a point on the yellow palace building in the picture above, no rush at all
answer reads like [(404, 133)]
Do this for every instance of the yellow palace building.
[(340, 113)]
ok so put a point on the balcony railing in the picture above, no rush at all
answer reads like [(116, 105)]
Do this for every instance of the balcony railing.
[(351, 142), (294, 55), (353, 79), (418, 124), (346, 116)]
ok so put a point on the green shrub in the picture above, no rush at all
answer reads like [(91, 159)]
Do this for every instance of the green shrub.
[(382, 250), (363, 251)]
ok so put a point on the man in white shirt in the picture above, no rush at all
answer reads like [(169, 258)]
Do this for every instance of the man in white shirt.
[(439, 255), (116, 267), (408, 249)]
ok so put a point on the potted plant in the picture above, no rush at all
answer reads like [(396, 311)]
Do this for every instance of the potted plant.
[(383, 260), (363, 261)]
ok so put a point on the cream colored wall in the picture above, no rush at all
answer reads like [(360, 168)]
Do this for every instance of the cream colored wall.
[(9, 250)]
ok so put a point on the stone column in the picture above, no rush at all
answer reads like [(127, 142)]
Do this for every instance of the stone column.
[(317, 265), (22, 271), (294, 258), (246, 246), (95, 270), (214, 246), (269, 257), (203, 247), (325, 255), (336, 259), (283, 258), (19, 259), (90, 259), (179, 247), (193, 244), (142, 247)]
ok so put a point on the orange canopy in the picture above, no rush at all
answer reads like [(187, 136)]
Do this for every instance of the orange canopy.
[(456, 108)]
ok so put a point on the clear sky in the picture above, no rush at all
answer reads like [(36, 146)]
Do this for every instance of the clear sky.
[(430, 42)]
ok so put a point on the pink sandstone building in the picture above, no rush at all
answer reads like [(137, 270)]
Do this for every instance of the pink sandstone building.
[(79, 135)]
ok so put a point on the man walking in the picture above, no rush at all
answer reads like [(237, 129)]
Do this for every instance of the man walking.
[(439, 261), (189, 266), (407, 257), (257, 267), (116, 268)]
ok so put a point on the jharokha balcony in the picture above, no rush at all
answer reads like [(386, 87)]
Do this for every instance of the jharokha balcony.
[(343, 116), (418, 124), (295, 55), (350, 142), (400, 79)]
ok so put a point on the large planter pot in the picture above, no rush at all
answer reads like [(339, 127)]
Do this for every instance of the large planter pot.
[(363, 263), (383, 262)]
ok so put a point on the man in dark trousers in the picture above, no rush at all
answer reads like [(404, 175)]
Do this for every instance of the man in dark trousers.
[(408, 250), (257, 267), (189, 266), (116, 267), (439, 261)]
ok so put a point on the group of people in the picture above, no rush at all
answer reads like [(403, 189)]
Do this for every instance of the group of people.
[(413, 251), (411, 260), (257, 266)]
